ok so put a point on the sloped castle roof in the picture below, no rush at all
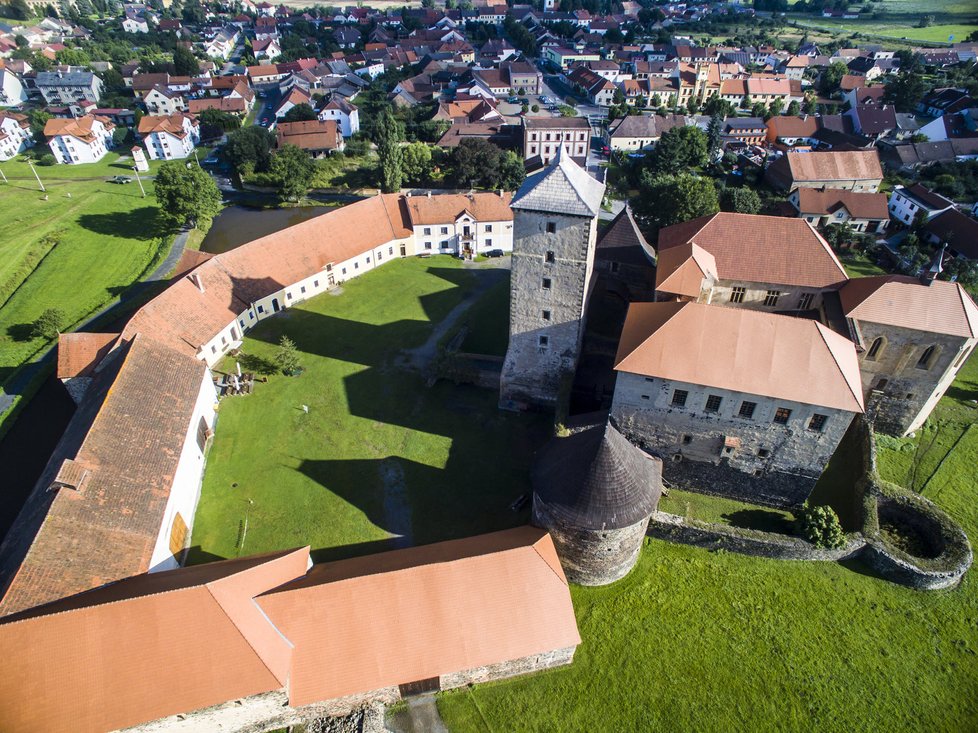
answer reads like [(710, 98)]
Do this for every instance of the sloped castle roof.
[(595, 479), (563, 187)]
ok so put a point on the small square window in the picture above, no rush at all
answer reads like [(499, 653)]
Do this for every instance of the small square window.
[(488, 242), (679, 397), (251, 316), (288, 296), (329, 268), (713, 403), (817, 423), (444, 230), (261, 309), (544, 340), (427, 230), (645, 397), (344, 271), (763, 452), (781, 415), (356, 265), (687, 439), (550, 256), (315, 283), (302, 288), (213, 349), (747, 409), (427, 245), (546, 283), (551, 227), (488, 227), (546, 315), (368, 260), (241, 322)]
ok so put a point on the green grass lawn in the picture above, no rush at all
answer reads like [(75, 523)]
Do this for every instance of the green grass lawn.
[(379, 454), (75, 253), (693, 640), (486, 323), (720, 510), (860, 266)]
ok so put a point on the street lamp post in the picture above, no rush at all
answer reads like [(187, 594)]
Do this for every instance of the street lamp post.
[(139, 181), (34, 171)]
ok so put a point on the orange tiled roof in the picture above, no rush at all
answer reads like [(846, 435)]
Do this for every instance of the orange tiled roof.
[(80, 352), (445, 208), (898, 300)]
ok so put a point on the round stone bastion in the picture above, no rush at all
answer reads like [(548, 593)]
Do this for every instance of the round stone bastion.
[(595, 492)]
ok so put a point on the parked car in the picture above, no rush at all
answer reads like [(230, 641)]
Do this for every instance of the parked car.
[(494, 253), (120, 179), (513, 100), (211, 160)]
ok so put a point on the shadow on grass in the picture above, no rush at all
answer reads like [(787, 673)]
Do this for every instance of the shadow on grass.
[(761, 519), (257, 364), (196, 555), (141, 223), (21, 332)]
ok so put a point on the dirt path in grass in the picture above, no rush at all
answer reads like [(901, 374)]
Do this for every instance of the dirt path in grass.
[(489, 273)]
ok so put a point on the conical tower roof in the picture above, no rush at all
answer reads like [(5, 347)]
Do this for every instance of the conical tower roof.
[(563, 187), (595, 479)]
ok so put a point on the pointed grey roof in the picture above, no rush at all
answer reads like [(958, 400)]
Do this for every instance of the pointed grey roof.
[(563, 187), (596, 479), (624, 242)]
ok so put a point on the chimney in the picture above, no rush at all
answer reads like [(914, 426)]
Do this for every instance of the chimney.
[(195, 279), (500, 193), (429, 194), (928, 276)]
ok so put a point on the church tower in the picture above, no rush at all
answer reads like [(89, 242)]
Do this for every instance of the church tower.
[(555, 216)]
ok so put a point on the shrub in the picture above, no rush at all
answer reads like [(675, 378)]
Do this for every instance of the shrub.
[(49, 324), (47, 159), (820, 526), (287, 357)]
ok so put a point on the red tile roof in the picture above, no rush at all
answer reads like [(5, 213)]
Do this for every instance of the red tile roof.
[(760, 249), (898, 300), (79, 352), (828, 201)]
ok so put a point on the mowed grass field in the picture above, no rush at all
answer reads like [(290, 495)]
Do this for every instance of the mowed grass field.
[(693, 640), (380, 459), (900, 19), (76, 253)]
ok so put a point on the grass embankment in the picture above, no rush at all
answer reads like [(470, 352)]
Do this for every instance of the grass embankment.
[(693, 640), (486, 323), (76, 253), (720, 510), (379, 454)]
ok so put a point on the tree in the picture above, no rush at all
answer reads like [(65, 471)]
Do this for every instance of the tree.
[(680, 149), (741, 200), (184, 62), (832, 76), (73, 57), (19, 10), (49, 324), (250, 147), (905, 91), (820, 526), (480, 163), (388, 138), (294, 169), (186, 194), (37, 118), (714, 105), (794, 109), (664, 200), (287, 356), (416, 163), (714, 136), (776, 107), (300, 113), (219, 121)]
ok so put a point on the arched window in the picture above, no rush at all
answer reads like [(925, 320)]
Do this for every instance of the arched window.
[(877, 346), (927, 358)]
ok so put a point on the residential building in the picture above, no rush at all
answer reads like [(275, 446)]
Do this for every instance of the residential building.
[(637, 132), (160, 100), (855, 170), (316, 137), (952, 126), (83, 140), (595, 87), (792, 130), (169, 138), (914, 335), (15, 134), (747, 261), (908, 202), (564, 57), (268, 48), (463, 224), (68, 87), (864, 212), (956, 230), (544, 137), (343, 112), (12, 92), (747, 130), (756, 402), (943, 101), (873, 121)]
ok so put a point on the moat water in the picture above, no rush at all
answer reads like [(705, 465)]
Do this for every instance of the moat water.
[(237, 225)]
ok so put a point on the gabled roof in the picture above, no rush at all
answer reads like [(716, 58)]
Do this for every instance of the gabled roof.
[(80, 352), (682, 269), (624, 242), (761, 249), (563, 187), (484, 207), (742, 350), (828, 201), (899, 300), (834, 165)]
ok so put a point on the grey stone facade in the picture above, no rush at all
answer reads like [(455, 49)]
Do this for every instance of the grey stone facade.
[(643, 409), (548, 295), (900, 391), (512, 668), (592, 556)]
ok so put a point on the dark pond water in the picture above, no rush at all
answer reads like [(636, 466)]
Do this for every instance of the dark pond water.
[(237, 225)]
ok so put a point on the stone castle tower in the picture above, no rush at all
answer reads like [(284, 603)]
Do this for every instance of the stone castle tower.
[(555, 215)]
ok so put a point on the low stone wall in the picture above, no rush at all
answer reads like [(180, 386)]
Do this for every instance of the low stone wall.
[(747, 541), (512, 668), (774, 488)]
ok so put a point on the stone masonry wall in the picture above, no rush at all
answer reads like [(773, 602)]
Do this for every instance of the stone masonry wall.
[(592, 557), (909, 395), (512, 668), (643, 410), (533, 370)]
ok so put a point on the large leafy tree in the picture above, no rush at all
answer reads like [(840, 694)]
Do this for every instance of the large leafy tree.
[(714, 136), (295, 169), (184, 62), (388, 138), (482, 164), (416, 163), (186, 194), (905, 91), (219, 121), (832, 76), (300, 113), (741, 200), (680, 149), (664, 200), (250, 147)]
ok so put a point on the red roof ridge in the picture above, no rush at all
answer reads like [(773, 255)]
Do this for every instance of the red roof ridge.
[(550, 556), (828, 336)]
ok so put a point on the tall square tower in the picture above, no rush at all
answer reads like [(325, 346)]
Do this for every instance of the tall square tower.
[(555, 215)]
